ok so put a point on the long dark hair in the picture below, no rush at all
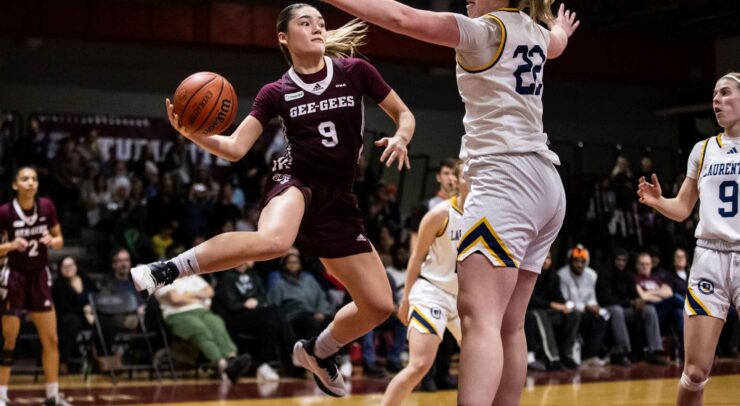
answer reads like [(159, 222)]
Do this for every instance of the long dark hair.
[(340, 43)]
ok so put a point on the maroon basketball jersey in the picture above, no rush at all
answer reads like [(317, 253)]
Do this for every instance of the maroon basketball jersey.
[(322, 116), (31, 225)]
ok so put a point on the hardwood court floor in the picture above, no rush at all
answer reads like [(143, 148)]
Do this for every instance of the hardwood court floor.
[(640, 385)]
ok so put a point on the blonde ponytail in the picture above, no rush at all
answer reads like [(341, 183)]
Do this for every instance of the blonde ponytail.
[(539, 10), (344, 41)]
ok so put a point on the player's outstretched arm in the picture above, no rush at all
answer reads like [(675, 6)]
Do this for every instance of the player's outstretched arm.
[(396, 146), (678, 208), (429, 26), (430, 226), (229, 147), (561, 29)]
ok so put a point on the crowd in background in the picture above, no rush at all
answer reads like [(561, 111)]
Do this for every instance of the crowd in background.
[(617, 299)]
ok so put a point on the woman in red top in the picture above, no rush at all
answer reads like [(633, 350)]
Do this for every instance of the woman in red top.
[(30, 227), (309, 196)]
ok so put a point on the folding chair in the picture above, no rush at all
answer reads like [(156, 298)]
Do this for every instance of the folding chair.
[(120, 304)]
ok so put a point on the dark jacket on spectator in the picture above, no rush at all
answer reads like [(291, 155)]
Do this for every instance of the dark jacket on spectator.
[(234, 289), (677, 284), (546, 290), (67, 301), (616, 287)]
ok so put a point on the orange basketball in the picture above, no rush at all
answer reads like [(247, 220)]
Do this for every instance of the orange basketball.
[(205, 103)]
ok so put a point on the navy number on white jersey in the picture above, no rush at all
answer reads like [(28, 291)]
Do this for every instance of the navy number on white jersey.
[(728, 193), (528, 55)]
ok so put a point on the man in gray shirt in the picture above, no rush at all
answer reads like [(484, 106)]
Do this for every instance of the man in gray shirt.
[(578, 284)]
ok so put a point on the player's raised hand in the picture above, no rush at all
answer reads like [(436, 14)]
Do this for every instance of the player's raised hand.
[(566, 20), (395, 150), (174, 119), (649, 193)]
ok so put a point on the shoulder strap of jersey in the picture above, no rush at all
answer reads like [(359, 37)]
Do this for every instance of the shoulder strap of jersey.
[(719, 139), (701, 157)]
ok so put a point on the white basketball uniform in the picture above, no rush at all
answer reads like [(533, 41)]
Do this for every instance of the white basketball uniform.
[(433, 298), (516, 203), (714, 280)]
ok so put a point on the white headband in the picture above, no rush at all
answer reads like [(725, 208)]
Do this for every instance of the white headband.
[(728, 76)]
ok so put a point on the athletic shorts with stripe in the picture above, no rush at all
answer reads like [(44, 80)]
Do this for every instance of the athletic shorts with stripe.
[(714, 282), (514, 210), (432, 309)]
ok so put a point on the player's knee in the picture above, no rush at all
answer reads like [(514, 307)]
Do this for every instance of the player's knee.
[(694, 375), (7, 357), (380, 310), (419, 367), (693, 379)]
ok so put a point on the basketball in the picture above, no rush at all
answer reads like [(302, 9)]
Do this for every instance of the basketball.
[(205, 103)]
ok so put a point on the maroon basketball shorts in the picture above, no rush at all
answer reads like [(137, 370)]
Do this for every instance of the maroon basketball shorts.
[(332, 225), (27, 291)]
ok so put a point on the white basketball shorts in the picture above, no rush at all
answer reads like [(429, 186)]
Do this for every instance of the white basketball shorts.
[(514, 210), (432, 309), (714, 280)]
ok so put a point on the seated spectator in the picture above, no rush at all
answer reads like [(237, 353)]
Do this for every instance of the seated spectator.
[(615, 290), (162, 241), (396, 345), (300, 298), (241, 300), (551, 313), (119, 281), (74, 314), (677, 276), (653, 290), (578, 286), (185, 308)]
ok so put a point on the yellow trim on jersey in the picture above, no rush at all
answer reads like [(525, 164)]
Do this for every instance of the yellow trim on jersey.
[(496, 57), (719, 139), (431, 329), (508, 259), (453, 203), (699, 302), (701, 159), (509, 9), (444, 227)]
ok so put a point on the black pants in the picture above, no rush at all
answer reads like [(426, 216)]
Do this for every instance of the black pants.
[(593, 329), (69, 325), (275, 337), (556, 332)]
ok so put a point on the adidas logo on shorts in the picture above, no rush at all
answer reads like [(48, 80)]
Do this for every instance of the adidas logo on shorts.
[(360, 237)]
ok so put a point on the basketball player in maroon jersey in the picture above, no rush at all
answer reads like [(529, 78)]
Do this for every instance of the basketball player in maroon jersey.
[(309, 196), (29, 227)]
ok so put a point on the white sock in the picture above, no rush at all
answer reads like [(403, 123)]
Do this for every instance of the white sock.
[(3, 391), (326, 345), (186, 263), (52, 390)]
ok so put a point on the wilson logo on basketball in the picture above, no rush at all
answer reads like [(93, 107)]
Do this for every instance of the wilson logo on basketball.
[(221, 116), (199, 108)]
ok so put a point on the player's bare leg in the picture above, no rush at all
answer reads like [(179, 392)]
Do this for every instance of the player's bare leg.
[(277, 229), (485, 292), (422, 351), (365, 279), (11, 328), (514, 343), (701, 334)]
